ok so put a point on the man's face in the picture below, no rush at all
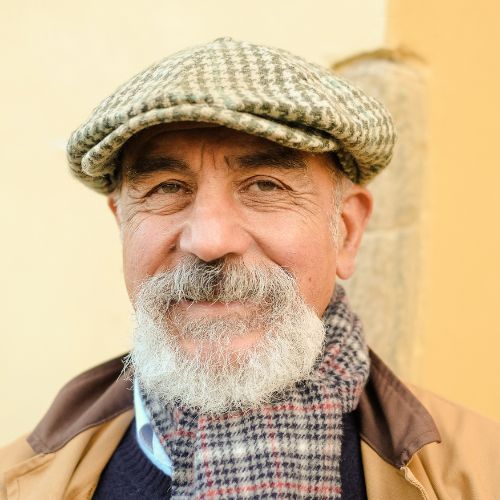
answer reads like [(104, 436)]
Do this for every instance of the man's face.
[(216, 192), (212, 195)]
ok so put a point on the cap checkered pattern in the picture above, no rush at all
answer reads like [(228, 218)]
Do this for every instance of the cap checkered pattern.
[(256, 89), (287, 449)]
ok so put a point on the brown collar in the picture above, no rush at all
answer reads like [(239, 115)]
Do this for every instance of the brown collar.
[(392, 420)]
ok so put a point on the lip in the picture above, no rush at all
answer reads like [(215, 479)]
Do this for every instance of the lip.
[(204, 307)]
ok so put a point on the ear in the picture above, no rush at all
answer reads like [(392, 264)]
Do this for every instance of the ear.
[(114, 206), (356, 211)]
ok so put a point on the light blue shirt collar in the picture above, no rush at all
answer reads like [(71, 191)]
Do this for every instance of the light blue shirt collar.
[(147, 439)]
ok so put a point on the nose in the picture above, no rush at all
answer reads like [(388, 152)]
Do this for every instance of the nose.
[(213, 229)]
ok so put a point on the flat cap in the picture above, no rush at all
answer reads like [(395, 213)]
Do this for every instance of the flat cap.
[(256, 89)]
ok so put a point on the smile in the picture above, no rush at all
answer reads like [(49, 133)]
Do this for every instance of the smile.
[(206, 307)]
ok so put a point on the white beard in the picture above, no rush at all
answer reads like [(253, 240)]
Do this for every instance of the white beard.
[(211, 380)]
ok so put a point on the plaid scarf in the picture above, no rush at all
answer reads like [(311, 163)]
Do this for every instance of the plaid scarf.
[(287, 449)]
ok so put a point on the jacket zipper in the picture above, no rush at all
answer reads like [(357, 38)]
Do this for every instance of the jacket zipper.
[(414, 481)]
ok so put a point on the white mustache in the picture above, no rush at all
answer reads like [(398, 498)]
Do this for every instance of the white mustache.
[(224, 280)]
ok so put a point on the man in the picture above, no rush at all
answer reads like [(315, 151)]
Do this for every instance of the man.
[(236, 175)]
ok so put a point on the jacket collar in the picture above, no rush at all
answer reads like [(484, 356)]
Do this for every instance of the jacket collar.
[(392, 420)]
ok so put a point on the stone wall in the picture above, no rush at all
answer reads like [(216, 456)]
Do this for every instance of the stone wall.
[(386, 287)]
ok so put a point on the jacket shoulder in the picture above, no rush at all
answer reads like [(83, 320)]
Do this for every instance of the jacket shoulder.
[(70, 472), (456, 421), (93, 397), (94, 407), (467, 461)]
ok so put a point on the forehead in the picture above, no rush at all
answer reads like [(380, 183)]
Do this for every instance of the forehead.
[(179, 138)]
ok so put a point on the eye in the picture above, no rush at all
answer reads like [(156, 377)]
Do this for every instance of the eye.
[(265, 185), (168, 188)]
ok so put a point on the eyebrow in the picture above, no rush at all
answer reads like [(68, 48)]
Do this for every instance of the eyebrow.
[(276, 157), (144, 167)]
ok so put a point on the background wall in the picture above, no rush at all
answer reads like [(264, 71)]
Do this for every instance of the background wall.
[(460, 42), (63, 304)]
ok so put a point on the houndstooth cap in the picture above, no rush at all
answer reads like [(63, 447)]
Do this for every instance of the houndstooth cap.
[(256, 89)]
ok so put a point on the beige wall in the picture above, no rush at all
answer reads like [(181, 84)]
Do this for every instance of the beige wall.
[(64, 307), (460, 42)]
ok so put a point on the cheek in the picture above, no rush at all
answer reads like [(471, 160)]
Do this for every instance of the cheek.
[(146, 249), (317, 264), (308, 251)]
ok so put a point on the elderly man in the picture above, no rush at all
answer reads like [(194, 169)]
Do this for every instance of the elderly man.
[(236, 176)]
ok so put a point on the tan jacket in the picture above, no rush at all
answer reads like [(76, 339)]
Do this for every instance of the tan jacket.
[(407, 453)]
